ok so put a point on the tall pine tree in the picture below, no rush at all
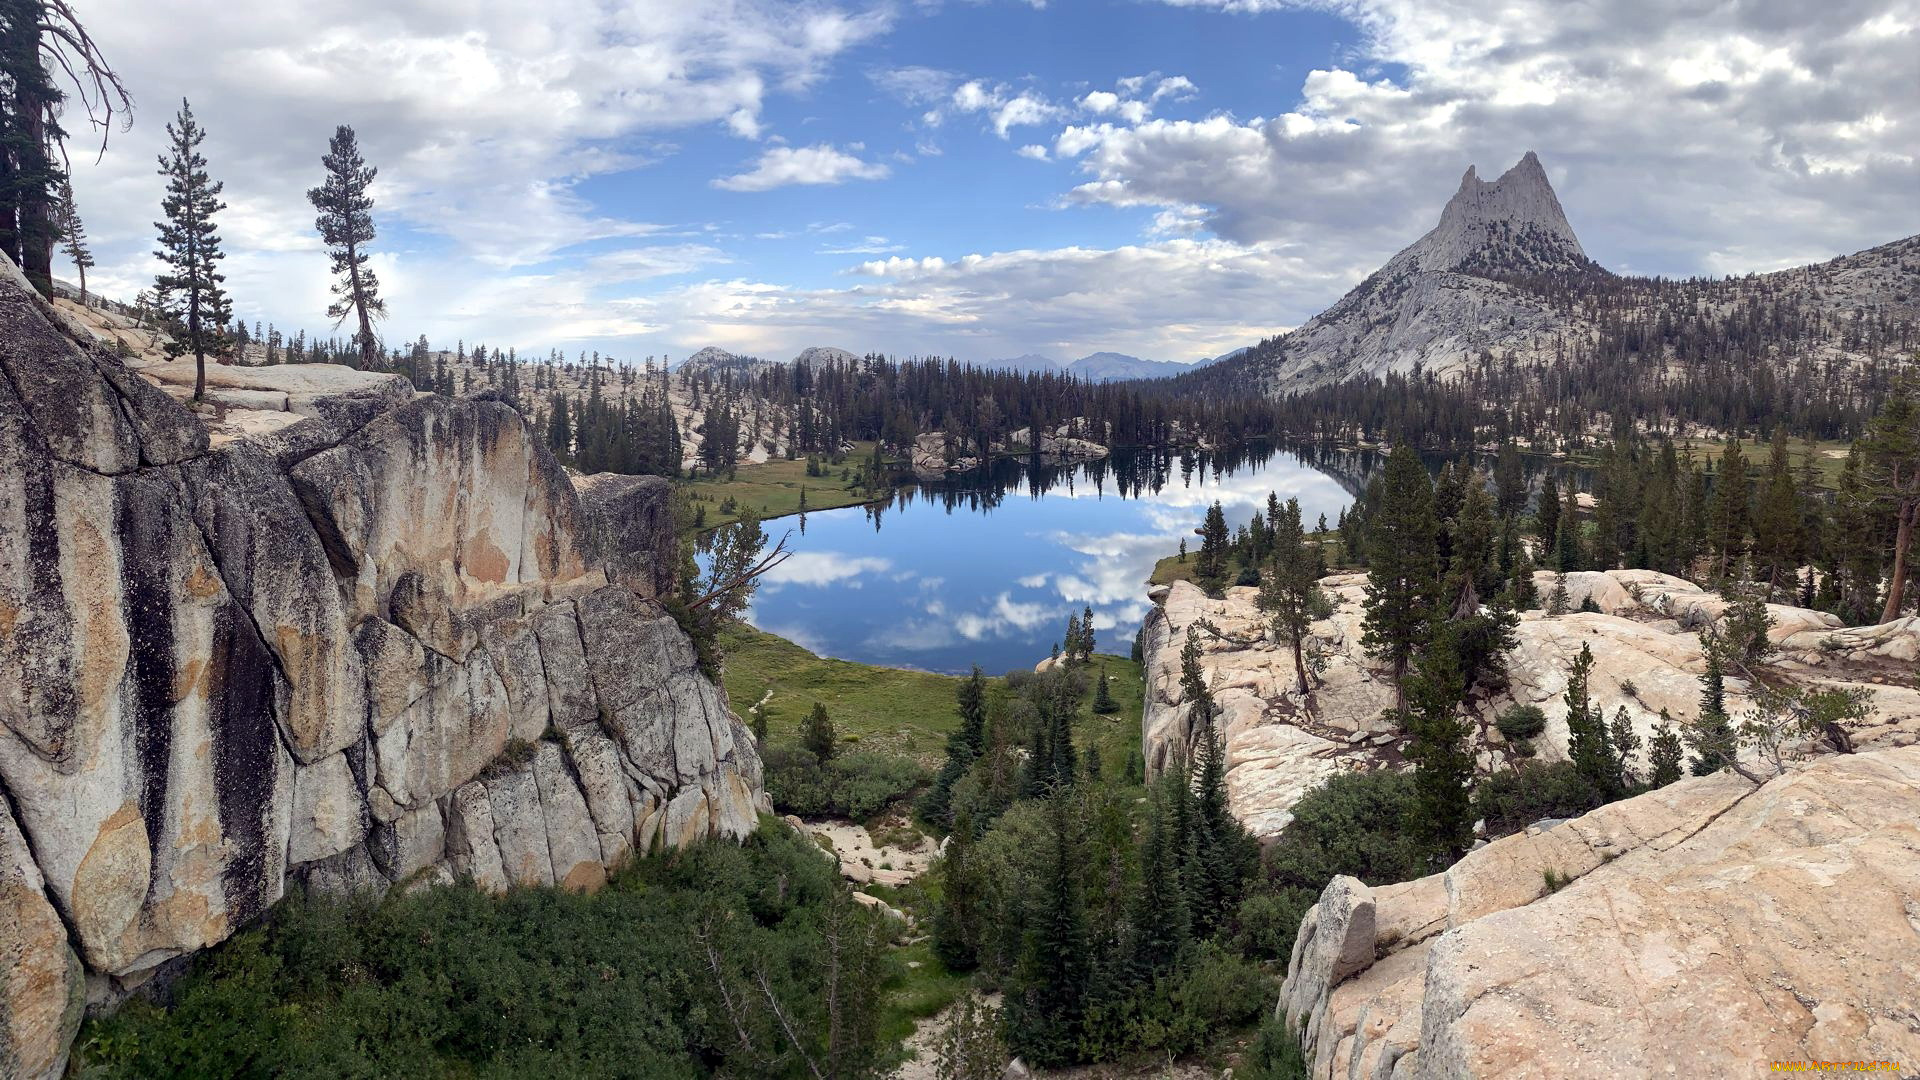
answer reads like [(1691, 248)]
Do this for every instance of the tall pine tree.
[(1442, 808), (346, 228), (189, 290), (1046, 996), (73, 235), (1403, 567)]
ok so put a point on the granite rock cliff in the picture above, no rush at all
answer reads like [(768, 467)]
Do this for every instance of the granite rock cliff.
[(356, 637), (1708, 928)]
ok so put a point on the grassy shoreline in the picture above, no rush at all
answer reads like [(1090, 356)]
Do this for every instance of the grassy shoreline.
[(893, 710)]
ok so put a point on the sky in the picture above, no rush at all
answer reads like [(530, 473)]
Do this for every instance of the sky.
[(981, 179)]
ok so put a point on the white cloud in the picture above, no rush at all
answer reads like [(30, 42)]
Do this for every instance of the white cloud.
[(1037, 153), (817, 164), (1173, 298), (872, 245), (483, 119), (1005, 107), (1005, 616), (744, 123), (914, 85), (822, 568), (1680, 137)]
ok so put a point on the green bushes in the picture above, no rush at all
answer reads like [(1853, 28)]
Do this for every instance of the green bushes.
[(1519, 722), (1510, 800), (1275, 1054), (1354, 824), (451, 981), (855, 786)]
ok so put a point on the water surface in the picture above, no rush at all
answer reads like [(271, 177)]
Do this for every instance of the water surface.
[(986, 571)]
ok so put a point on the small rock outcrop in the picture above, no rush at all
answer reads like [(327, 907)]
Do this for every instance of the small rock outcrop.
[(1709, 928), (1647, 654), (1065, 443), (326, 630)]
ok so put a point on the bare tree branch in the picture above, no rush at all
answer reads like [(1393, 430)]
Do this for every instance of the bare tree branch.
[(773, 558), (97, 85)]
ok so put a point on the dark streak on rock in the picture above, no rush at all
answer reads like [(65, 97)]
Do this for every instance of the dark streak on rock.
[(241, 698), (145, 554)]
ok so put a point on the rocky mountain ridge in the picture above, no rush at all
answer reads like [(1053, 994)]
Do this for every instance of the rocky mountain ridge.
[(352, 636), (1502, 274)]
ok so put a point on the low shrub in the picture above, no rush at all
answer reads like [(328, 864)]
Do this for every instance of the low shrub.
[(852, 785), (450, 981), (1517, 722), (1513, 799)]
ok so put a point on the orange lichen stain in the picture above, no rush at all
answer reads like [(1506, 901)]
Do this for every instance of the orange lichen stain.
[(9, 617), (110, 883), (190, 679), (587, 877), (486, 562), (202, 585), (96, 602)]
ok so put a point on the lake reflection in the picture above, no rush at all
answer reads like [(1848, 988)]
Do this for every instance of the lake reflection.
[(952, 574)]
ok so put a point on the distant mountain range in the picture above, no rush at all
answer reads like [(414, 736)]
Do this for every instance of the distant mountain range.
[(1094, 367), (1502, 275), (1105, 366)]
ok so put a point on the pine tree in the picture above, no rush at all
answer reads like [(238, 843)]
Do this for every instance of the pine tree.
[(190, 290), (1222, 850), (1663, 756), (972, 700), (1403, 567), (1286, 591), (1589, 746), (1727, 509), (1442, 809), (817, 734), (73, 235), (559, 428), (30, 174), (1103, 702), (1046, 996), (1509, 481), (1776, 520), (1712, 738), (37, 38), (1567, 546), (1621, 743), (1546, 521), (1211, 570), (1193, 683), (346, 228), (1890, 478), (1521, 593), (1162, 924), (957, 919)]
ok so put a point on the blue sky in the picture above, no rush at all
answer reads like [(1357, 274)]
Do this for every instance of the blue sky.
[(983, 178)]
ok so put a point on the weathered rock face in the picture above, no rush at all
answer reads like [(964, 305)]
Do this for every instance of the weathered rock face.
[(385, 641), (1710, 928), (1069, 441), (935, 455), (1647, 658)]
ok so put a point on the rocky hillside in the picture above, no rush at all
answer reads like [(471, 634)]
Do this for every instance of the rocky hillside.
[(327, 630), (1709, 928), (1504, 275), (1647, 657)]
